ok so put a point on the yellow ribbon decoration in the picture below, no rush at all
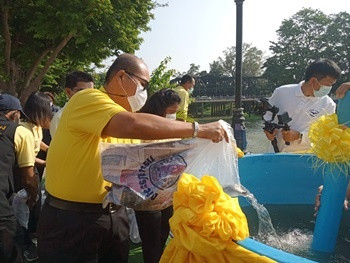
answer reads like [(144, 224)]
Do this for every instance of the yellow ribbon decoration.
[(330, 141), (205, 223)]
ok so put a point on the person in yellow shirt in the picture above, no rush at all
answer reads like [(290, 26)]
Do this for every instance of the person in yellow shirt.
[(73, 226), (187, 83), (38, 111), (17, 147), (38, 116)]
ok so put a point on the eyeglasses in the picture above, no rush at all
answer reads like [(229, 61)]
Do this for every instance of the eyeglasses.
[(144, 83)]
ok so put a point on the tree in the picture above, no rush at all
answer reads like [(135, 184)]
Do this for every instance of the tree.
[(226, 66), (193, 70), (41, 38), (160, 77), (306, 36), (216, 69)]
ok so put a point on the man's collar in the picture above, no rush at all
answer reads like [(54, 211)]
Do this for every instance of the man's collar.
[(299, 91)]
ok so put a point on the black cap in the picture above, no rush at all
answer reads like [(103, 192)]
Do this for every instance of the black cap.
[(9, 102)]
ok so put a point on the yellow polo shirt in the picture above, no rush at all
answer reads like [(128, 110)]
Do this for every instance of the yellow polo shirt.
[(73, 168), (183, 107), (24, 147), (37, 134)]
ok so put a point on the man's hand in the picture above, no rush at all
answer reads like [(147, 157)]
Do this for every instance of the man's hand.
[(271, 136), (290, 135), (31, 200), (213, 131), (318, 199), (341, 91), (30, 184)]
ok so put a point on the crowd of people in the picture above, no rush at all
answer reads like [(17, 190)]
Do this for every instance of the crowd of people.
[(72, 225)]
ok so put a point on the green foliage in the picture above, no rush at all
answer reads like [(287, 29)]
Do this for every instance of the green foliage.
[(66, 35), (61, 99), (306, 36), (99, 79), (252, 62), (160, 77)]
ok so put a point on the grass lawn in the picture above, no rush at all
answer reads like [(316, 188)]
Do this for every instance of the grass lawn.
[(135, 254)]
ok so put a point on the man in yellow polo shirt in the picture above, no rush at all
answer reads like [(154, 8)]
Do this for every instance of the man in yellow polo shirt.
[(16, 147), (186, 85), (73, 226)]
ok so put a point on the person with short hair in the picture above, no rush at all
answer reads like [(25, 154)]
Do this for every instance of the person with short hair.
[(75, 82), (186, 87), (38, 114), (74, 227), (17, 148), (304, 102), (164, 103)]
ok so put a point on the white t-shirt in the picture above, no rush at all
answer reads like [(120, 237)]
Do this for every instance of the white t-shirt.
[(55, 121), (303, 111)]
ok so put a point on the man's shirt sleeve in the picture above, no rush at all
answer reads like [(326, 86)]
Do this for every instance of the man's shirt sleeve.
[(24, 147)]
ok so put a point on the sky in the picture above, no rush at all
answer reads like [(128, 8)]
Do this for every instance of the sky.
[(198, 31)]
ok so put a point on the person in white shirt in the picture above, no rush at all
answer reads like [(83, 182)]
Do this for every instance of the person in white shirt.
[(304, 102), (75, 82)]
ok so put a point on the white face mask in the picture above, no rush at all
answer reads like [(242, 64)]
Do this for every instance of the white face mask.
[(139, 99), (191, 90), (323, 91), (171, 116)]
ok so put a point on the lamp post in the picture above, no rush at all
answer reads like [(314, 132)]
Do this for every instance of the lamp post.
[(238, 119)]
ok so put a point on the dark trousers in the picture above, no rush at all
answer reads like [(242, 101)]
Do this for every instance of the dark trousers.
[(9, 245), (154, 231), (69, 236)]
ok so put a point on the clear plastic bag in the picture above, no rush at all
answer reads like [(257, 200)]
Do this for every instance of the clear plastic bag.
[(43, 189), (20, 207), (133, 228), (144, 176)]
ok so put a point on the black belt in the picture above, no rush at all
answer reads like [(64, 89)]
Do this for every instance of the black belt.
[(81, 207)]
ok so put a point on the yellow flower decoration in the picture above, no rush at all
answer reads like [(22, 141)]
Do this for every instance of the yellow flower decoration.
[(240, 153), (330, 141), (205, 223)]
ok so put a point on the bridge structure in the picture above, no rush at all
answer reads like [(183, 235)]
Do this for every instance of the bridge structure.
[(219, 106)]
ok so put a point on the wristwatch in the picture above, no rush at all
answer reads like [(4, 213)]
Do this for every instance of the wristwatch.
[(300, 136)]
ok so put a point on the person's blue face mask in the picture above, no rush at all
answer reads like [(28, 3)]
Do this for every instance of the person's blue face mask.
[(323, 91)]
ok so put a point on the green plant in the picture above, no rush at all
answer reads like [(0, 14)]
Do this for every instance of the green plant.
[(160, 77)]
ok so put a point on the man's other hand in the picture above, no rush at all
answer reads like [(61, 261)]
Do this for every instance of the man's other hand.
[(271, 136), (290, 135), (341, 91)]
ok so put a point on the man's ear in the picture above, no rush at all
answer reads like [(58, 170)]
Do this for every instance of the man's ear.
[(119, 76), (116, 82), (314, 80), (68, 92)]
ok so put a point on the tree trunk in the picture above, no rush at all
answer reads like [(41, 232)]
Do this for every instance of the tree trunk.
[(35, 84), (7, 85)]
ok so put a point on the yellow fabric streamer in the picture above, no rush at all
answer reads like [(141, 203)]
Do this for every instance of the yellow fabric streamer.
[(330, 141), (205, 222)]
